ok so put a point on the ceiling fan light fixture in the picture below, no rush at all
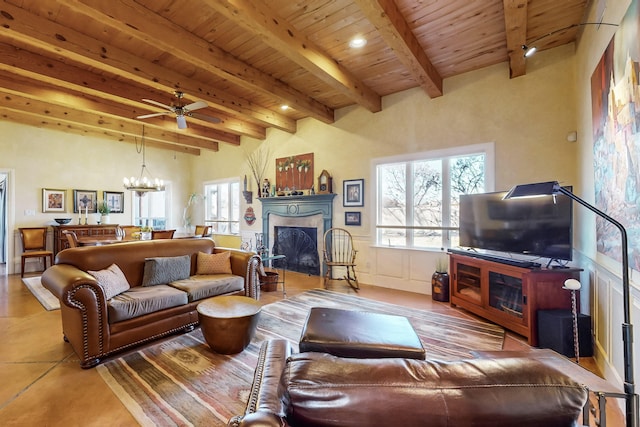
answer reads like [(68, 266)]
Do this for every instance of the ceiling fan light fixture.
[(182, 122), (181, 111)]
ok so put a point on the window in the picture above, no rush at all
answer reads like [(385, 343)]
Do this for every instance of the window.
[(151, 209), (418, 195), (222, 201)]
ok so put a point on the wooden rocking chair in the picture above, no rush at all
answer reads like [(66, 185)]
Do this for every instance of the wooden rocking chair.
[(338, 251)]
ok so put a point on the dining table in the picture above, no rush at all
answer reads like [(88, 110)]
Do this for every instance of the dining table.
[(102, 240)]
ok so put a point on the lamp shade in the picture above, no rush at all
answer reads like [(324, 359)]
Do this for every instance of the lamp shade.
[(182, 122), (572, 285), (533, 190)]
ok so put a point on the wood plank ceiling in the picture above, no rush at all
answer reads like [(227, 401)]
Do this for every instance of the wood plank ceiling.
[(85, 66)]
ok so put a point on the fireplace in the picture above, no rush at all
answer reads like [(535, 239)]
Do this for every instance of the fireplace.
[(294, 227), (300, 246)]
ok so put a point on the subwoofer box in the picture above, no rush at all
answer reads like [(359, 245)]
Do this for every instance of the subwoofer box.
[(555, 331)]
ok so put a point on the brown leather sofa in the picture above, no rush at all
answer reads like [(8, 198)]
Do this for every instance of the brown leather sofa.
[(319, 389), (97, 327)]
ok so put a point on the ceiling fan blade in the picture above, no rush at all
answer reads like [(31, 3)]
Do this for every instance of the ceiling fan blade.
[(195, 106), (159, 104), (146, 116), (205, 118)]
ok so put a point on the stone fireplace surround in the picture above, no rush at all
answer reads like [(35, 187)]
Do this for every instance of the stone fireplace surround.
[(314, 211)]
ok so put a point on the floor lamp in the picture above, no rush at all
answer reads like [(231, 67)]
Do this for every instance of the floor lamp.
[(553, 188)]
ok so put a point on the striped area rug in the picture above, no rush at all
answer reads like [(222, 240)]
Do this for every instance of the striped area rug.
[(181, 382)]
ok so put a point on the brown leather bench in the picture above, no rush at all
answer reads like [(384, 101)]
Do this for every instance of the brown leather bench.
[(359, 334)]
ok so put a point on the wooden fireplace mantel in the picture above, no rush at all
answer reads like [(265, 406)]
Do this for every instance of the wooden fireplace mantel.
[(298, 205)]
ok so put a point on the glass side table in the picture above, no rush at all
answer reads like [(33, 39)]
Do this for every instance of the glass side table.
[(267, 261)]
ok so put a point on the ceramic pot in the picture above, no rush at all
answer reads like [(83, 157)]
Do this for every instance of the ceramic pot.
[(440, 286)]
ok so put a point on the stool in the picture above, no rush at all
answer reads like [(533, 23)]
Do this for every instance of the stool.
[(228, 323), (359, 334)]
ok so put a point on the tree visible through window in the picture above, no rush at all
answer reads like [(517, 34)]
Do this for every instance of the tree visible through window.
[(418, 199)]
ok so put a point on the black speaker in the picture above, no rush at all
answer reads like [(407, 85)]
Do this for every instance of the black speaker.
[(555, 331)]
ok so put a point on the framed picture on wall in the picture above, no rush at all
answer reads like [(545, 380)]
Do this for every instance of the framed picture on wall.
[(353, 192), (115, 200), (352, 218), (83, 199), (54, 200)]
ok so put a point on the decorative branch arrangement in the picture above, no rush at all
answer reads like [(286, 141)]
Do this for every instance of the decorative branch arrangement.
[(258, 161)]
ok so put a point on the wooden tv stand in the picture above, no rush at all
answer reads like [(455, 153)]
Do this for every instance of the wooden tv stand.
[(508, 295)]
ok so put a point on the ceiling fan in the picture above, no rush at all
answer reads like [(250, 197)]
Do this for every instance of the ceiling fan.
[(181, 111)]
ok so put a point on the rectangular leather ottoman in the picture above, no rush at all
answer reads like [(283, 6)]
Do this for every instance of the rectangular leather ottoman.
[(359, 334)]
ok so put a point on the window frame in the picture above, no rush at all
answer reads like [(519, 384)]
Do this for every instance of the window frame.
[(488, 149), (135, 200), (207, 205)]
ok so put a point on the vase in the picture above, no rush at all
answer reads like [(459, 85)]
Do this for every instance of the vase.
[(440, 286), (104, 219)]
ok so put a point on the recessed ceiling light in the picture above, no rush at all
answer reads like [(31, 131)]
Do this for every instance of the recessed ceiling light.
[(284, 107), (357, 42)]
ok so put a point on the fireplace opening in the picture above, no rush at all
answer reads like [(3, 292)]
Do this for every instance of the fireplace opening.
[(300, 246)]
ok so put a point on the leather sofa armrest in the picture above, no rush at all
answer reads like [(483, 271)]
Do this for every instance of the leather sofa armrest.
[(62, 280), (244, 264), (265, 406), (83, 309)]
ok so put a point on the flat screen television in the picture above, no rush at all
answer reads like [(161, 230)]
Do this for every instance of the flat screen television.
[(538, 226)]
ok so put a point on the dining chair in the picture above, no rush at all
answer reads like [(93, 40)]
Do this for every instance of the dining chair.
[(34, 245), (202, 230), (338, 251), (72, 238), (129, 230), (162, 234)]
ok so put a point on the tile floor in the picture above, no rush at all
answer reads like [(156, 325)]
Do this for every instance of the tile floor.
[(43, 385)]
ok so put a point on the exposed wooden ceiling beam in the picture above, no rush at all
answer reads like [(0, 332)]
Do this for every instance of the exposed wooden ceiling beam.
[(72, 118), (515, 22), (67, 126), (386, 17), (25, 28), (39, 91), (262, 20), (28, 64), (139, 22)]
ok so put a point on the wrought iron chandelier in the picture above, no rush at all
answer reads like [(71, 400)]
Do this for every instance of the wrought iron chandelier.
[(145, 182)]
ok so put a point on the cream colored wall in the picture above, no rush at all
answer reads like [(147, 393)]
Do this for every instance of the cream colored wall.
[(40, 158), (528, 119), (602, 291)]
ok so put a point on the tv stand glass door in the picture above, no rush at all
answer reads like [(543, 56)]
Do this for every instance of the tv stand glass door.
[(505, 293)]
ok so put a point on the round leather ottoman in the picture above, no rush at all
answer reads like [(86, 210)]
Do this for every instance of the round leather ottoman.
[(228, 323)]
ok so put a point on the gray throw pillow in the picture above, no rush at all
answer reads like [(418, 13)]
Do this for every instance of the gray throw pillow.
[(111, 280), (163, 270)]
